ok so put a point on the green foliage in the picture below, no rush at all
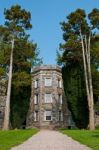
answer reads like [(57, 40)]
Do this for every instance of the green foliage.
[(59, 58), (75, 94), (89, 138), (24, 51), (72, 62), (9, 139), (2, 72), (17, 21), (94, 18), (36, 61), (19, 105), (95, 75), (95, 67), (5, 49), (21, 79)]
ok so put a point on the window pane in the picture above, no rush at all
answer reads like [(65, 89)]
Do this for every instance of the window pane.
[(48, 98), (48, 82), (36, 83), (60, 98), (36, 99), (36, 116), (48, 113), (48, 117), (59, 83)]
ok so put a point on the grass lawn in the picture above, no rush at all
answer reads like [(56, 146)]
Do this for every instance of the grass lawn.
[(86, 137), (12, 138)]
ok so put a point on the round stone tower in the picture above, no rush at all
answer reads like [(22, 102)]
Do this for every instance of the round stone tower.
[(47, 104)]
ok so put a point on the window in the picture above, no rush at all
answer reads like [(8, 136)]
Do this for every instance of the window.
[(36, 83), (36, 99), (36, 116), (47, 115), (0, 114), (48, 82), (48, 98), (60, 98), (59, 83), (60, 116)]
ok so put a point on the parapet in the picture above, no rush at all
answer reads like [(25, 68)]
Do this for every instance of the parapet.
[(45, 67)]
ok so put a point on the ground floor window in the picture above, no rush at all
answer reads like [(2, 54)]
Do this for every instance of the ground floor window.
[(36, 116), (47, 115), (36, 99), (60, 116), (60, 98)]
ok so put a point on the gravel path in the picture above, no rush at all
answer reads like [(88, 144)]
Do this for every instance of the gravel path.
[(50, 140)]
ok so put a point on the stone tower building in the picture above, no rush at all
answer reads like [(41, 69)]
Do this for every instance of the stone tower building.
[(48, 108)]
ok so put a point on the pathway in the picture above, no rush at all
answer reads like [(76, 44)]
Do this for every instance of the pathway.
[(50, 140)]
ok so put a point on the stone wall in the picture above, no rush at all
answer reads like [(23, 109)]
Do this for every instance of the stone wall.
[(2, 103)]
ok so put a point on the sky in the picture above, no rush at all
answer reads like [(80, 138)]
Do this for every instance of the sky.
[(46, 17)]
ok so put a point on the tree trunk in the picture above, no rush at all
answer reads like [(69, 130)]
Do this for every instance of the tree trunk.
[(7, 106), (91, 118), (88, 80), (85, 70)]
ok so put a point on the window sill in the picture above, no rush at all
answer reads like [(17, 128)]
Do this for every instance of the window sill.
[(47, 120)]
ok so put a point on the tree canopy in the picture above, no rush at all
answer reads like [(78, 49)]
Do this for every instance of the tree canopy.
[(17, 22), (78, 22)]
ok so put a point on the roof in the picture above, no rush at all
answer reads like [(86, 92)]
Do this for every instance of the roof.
[(46, 67)]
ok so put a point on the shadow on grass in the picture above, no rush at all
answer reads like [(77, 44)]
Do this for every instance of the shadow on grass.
[(96, 135)]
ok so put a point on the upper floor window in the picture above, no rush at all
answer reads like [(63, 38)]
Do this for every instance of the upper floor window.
[(48, 98), (60, 83), (36, 83), (48, 82), (60, 98), (36, 99)]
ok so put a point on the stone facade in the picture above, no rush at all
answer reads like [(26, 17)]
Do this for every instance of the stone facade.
[(2, 103), (48, 107)]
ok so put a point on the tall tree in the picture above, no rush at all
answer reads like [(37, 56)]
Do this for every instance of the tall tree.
[(17, 21), (77, 35)]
